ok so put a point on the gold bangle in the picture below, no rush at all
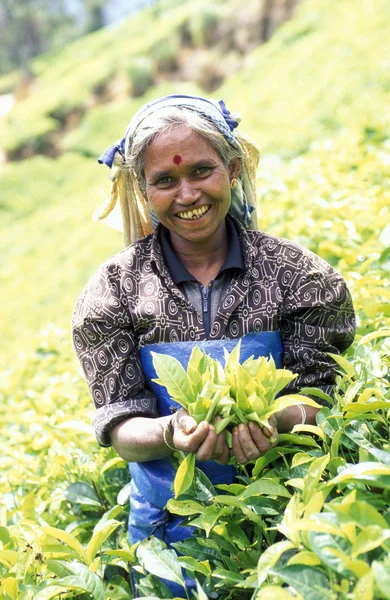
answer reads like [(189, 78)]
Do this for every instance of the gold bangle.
[(168, 426)]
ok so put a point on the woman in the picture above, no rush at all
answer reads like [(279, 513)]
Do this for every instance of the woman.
[(203, 276)]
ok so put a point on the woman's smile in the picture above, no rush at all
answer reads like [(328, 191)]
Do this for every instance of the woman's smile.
[(194, 214)]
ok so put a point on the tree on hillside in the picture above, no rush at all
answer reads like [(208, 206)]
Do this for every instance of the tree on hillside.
[(29, 28)]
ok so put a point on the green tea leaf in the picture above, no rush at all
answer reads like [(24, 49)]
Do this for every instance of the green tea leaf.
[(200, 593), (334, 551), (228, 576), (313, 429), (310, 582), (191, 564), (371, 537), (265, 487), (311, 391), (82, 493), (381, 573), (68, 539), (210, 517), (360, 471), (100, 534), (185, 507), (366, 339), (79, 577), (184, 475), (156, 559), (274, 592), (269, 558), (51, 592), (313, 476), (172, 375), (344, 364), (364, 589)]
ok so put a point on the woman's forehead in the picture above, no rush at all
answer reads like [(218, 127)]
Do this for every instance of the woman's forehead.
[(179, 144)]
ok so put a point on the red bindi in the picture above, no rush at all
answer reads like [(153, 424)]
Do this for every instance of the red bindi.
[(177, 159)]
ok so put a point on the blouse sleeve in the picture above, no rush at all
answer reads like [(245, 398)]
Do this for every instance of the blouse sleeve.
[(318, 317), (106, 347)]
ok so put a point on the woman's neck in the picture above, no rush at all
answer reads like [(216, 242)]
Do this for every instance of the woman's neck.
[(203, 259)]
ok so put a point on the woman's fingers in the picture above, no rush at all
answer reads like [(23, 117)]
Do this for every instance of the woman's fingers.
[(207, 448), (270, 431), (248, 445), (250, 442), (262, 437), (221, 452), (187, 434)]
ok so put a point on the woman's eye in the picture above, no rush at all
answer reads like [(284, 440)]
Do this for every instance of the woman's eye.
[(201, 170), (164, 180)]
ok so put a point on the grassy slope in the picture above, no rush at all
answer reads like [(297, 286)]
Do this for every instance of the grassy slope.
[(326, 69), (323, 71)]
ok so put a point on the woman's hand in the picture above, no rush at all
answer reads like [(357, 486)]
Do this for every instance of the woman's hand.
[(201, 439), (251, 441)]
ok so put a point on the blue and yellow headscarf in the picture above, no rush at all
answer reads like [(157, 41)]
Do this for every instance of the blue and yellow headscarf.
[(136, 219)]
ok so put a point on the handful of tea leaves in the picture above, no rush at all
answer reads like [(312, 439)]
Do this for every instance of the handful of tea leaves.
[(237, 393)]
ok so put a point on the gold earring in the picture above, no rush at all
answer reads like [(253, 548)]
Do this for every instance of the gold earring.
[(234, 184)]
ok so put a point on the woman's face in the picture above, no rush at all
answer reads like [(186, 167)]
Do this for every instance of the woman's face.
[(187, 185)]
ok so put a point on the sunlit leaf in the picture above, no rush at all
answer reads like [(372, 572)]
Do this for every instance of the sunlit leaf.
[(172, 375), (184, 475), (269, 558), (159, 561), (364, 589), (100, 534), (68, 539), (310, 582), (184, 507)]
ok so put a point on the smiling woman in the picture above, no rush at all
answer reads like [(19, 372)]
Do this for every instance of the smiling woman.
[(196, 272)]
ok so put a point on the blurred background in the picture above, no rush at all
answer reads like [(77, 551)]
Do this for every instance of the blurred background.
[(311, 79)]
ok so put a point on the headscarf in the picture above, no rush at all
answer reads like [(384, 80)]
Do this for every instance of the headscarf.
[(137, 219)]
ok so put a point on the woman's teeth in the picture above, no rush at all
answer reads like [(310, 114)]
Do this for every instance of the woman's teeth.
[(196, 213)]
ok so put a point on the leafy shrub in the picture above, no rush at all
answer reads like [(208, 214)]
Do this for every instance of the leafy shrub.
[(203, 23), (141, 75), (166, 54)]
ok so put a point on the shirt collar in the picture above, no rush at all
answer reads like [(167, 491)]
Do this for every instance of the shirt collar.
[(179, 273)]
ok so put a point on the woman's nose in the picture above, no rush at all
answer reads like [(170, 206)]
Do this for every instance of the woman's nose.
[(187, 192)]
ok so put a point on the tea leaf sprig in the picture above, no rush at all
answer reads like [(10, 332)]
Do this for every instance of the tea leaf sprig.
[(237, 393)]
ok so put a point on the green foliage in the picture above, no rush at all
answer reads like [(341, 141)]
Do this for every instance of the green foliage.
[(141, 75), (203, 24), (323, 71)]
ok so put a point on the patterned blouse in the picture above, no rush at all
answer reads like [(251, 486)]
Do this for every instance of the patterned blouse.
[(132, 301)]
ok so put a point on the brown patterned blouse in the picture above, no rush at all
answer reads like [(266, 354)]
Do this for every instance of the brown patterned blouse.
[(132, 301)]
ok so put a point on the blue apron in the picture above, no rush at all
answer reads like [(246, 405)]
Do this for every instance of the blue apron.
[(151, 481)]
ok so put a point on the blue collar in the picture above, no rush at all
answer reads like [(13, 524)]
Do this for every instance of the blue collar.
[(179, 273)]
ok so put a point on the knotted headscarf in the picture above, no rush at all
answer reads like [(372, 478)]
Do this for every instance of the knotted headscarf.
[(136, 219)]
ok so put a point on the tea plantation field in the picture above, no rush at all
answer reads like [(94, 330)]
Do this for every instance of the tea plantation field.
[(312, 519)]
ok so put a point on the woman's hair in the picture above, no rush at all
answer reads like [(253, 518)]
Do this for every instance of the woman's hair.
[(166, 119)]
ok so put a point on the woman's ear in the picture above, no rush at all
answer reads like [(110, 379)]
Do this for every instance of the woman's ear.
[(235, 168)]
